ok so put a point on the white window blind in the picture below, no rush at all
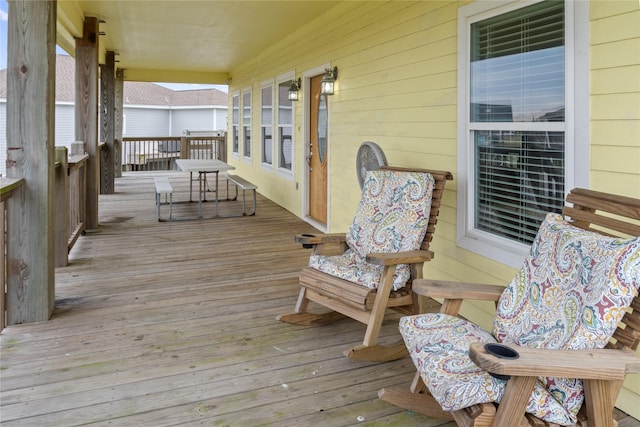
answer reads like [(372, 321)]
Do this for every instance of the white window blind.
[(285, 126), (246, 124), (266, 123), (235, 120), (516, 118)]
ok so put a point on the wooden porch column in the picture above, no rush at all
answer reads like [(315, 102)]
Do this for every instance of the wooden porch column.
[(87, 113), (107, 122), (119, 114), (30, 155)]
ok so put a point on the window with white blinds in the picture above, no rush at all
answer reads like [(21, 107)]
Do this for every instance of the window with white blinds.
[(285, 127), (246, 124), (266, 124), (516, 116), (235, 124)]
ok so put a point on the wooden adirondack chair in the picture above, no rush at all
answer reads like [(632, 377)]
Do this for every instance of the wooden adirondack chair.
[(605, 293), (373, 286)]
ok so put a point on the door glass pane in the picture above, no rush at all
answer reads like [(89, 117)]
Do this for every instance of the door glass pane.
[(322, 128)]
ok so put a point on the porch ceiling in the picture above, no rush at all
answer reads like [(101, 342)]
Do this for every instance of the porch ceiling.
[(184, 41)]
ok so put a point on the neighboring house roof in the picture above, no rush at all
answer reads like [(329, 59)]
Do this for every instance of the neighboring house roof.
[(135, 93)]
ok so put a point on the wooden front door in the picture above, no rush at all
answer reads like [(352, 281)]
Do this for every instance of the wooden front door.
[(317, 152)]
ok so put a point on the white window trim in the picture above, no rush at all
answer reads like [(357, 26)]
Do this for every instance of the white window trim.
[(285, 173), (235, 154), (575, 127), (263, 85), (245, 91)]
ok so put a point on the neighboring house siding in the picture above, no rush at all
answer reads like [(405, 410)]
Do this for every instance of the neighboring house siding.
[(191, 119), (65, 125), (64, 130), (397, 86), (220, 118), (146, 122)]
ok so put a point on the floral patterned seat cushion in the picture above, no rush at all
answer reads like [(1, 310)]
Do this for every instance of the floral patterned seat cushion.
[(392, 217), (571, 292)]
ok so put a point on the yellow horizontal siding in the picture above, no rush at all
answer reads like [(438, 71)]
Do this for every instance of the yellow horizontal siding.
[(619, 106), (626, 159), (621, 53), (600, 9), (614, 27), (616, 80), (616, 132)]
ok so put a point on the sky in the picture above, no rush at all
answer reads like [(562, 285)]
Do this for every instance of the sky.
[(3, 55)]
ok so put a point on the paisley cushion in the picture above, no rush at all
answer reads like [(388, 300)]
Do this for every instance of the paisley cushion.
[(570, 293), (392, 217), (349, 266)]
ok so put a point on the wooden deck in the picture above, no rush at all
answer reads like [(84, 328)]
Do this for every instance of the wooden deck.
[(173, 323)]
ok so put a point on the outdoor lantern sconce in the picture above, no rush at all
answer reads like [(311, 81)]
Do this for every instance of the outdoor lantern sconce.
[(327, 84), (294, 88)]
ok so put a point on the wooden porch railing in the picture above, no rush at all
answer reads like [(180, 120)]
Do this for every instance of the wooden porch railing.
[(69, 199), (7, 187), (70, 182), (144, 154)]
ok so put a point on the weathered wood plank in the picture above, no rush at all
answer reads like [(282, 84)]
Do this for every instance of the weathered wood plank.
[(30, 155), (86, 113)]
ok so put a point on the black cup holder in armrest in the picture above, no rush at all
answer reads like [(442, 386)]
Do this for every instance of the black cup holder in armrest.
[(503, 352), (308, 245)]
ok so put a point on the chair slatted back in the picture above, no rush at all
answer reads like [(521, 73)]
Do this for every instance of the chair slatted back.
[(611, 215)]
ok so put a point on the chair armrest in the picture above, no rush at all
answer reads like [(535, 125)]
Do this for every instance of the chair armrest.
[(410, 257), (598, 364), (457, 290), (310, 240)]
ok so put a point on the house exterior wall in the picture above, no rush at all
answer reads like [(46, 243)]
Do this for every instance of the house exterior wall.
[(191, 119), (65, 125), (153, 122), (397, 86)]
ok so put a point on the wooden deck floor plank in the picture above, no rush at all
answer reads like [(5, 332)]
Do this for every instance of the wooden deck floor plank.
[(279, 384), (257, 373)]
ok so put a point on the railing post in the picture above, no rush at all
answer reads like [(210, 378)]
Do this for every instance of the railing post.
[(61, 221), (117, 153), (184, 148)]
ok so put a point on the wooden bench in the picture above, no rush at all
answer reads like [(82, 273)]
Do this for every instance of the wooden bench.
[(163, 186), (244, 185)]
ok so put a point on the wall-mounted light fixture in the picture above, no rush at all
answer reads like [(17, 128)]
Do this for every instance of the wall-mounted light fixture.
[(330, 76), (294, 89)]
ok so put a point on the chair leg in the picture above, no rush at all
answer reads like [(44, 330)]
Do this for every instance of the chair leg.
[(301, 317), (370, 351), (514, 401), (416, 399), (599, 402), (377, 353)]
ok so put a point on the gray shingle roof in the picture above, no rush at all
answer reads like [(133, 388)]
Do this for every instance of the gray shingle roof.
[(135, 93)]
